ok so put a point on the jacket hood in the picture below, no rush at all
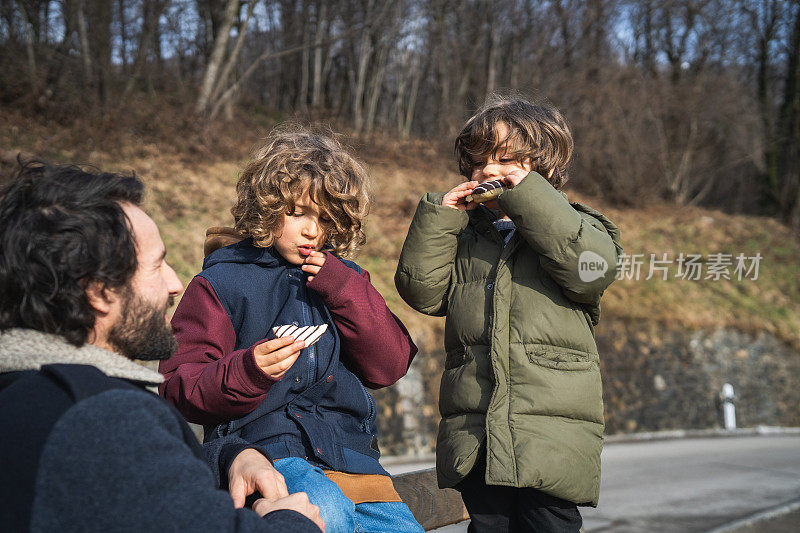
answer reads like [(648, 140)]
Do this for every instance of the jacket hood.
[(28, 349), (245, 252)]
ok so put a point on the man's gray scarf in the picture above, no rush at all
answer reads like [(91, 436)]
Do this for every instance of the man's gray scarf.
[(28, 349)]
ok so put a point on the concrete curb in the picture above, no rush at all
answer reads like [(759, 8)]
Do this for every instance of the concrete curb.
[(759, 517), (701, 434), (390, 460)]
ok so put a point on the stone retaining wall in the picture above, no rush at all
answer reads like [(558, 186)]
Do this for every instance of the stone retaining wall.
[(654, 378)]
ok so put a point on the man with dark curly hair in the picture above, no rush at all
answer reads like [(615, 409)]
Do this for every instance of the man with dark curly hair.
[(85, 291)]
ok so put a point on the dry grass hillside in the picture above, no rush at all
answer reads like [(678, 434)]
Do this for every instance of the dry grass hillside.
[(190, 173)]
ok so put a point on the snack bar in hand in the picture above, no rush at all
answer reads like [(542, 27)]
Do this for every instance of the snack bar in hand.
[(488, 190), (309, 334)]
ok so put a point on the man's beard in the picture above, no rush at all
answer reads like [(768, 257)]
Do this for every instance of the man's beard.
[(142, 333)]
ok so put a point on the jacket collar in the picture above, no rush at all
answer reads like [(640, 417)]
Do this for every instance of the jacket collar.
[(28, 349), (482, 218), (246, 252)]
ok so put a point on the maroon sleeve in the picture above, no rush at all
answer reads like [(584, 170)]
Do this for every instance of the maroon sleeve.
[(374, 341), (207, 380)]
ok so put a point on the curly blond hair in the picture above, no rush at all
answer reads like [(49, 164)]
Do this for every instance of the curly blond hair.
[(537, 134), (291, 162)]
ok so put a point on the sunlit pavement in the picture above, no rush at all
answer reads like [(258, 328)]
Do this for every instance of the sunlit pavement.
[(687, 485)]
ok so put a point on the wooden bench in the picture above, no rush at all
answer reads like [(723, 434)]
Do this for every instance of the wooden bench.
[(432, 507)]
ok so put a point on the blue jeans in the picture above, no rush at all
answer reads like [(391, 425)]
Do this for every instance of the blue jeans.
[(338, 511)]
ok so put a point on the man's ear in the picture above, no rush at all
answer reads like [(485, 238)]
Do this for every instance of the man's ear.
[(100, 297)]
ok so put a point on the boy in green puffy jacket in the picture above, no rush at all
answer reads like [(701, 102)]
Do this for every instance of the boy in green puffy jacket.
[(520, 279)]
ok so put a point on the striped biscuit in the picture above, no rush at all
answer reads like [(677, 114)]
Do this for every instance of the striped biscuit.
[(309, 334), (486, 191)]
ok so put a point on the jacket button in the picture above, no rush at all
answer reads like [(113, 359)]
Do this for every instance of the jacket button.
[(490, 286), (329, 378), (295, 323), (297, 379)]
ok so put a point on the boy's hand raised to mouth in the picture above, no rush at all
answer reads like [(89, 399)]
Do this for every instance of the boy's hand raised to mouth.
[(455, 197), (274, 357), (312, 264)]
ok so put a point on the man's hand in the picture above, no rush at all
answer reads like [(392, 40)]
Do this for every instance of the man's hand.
[(249, 472), (313, 263), (454, 198), (294, 502), (276, 356)]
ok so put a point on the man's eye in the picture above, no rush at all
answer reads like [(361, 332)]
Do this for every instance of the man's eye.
[(507, 160)]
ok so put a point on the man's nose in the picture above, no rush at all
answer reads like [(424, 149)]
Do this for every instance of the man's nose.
[(174, 284)]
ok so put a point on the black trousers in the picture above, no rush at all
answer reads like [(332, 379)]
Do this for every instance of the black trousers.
[(495, 508)]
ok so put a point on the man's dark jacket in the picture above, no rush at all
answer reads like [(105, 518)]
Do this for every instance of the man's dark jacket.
[(86, 447)]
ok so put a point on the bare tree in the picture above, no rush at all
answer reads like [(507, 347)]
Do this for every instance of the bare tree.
[(212, 70), (151, 12)]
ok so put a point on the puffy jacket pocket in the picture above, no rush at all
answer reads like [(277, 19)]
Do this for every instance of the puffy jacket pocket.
[(558, 382), (457, 446), (559, 358)]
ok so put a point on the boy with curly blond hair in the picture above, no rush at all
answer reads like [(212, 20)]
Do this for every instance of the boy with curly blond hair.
[(520, 398), (300, 209)]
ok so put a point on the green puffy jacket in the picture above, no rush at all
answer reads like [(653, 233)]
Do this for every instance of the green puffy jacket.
[(522, 370)]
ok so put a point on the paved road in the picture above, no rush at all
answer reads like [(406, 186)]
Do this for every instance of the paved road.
[(689, 485)]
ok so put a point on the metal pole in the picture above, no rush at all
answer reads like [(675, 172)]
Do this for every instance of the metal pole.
[(728, 409)]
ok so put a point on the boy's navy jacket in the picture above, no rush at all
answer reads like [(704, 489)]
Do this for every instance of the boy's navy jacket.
[(87, 448), (319, 409)]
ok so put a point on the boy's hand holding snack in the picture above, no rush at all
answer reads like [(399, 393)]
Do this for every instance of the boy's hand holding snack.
[(274, 357), (471, 193), (455, 197), (313, 264)]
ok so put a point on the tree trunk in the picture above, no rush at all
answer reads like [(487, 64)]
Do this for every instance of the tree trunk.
[(493, 38), (217, 55), (412, 99), (322, 13), (85, 51), (789, 162), (302, 96), (151, 13), (30, 51), (365, 51), (234, 56), (123, 36), (770, 196), (98, 18), (376, 86)]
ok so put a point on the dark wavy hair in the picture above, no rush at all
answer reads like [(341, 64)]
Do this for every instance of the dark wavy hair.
[(62, 227), (537, 134)]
